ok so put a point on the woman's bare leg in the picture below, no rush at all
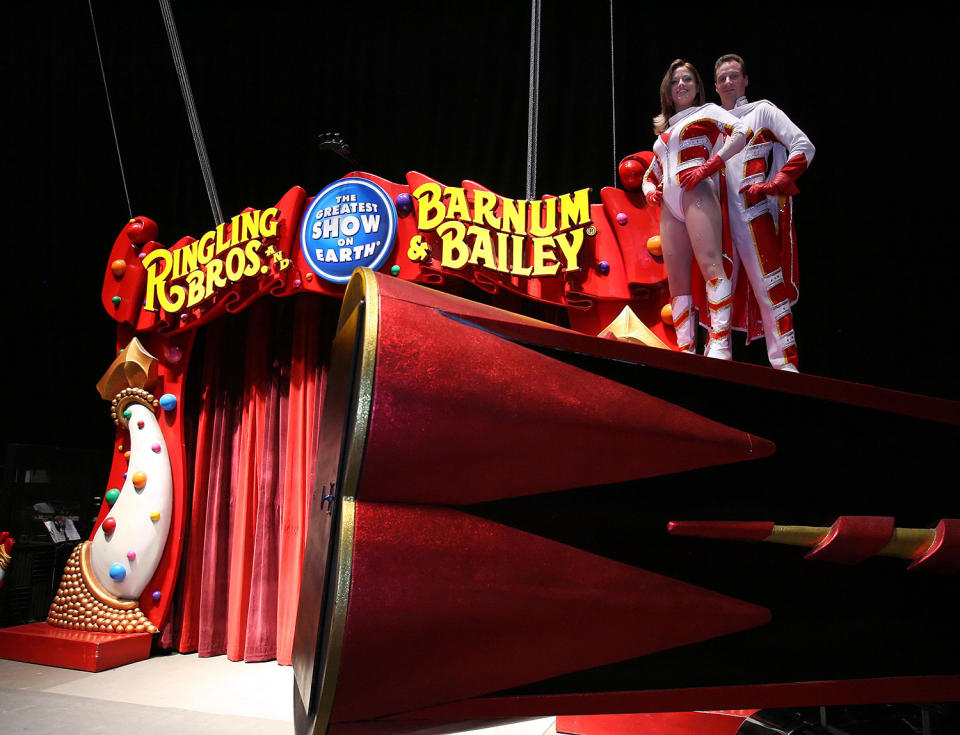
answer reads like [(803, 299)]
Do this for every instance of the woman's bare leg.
[(705, 228), (678, 257)]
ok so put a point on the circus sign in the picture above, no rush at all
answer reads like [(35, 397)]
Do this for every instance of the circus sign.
[(352, 223)]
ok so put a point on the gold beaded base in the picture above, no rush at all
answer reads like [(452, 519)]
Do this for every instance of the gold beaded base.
[(81, 605)]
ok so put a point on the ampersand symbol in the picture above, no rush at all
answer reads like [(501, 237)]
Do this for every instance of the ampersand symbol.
[(418, 249)]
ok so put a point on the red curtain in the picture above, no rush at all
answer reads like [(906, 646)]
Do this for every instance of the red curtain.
[(261, 382)]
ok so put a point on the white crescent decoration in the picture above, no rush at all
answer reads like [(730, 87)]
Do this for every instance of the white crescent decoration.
[(124, 560)]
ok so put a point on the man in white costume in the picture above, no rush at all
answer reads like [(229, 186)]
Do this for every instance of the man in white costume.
[(760, 182)]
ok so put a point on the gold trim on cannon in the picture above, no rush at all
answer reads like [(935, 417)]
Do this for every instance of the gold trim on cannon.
[(318, 641)]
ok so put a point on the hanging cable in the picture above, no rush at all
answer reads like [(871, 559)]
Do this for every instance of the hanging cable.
[(534, 101), (113, 125), (192, 116), (613, 97)]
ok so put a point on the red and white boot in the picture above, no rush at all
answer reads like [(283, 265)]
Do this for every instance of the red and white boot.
[(720, 303), (778, 324), (683, 322)]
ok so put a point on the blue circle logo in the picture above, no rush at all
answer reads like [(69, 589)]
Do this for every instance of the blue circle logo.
[(351, 223)]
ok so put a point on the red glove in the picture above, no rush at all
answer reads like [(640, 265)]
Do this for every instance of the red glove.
[(784, 181), (690, 177), (656, 196)]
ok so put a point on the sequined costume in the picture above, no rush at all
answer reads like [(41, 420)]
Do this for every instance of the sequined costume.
[(694, 135), (762, 229)]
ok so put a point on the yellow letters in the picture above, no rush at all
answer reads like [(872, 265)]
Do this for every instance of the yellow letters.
[(457, 206), (482, 247), (484, 204), (571, 250), (157, 273), (455, 250), (515, 216), (574, 209), (537, 228), (544, 257), (194, 288), (269, 220), (253, 258), (430, 211)]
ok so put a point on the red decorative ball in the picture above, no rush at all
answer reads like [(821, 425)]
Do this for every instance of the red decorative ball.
[(141, 230), (631, 174), (109, 525)]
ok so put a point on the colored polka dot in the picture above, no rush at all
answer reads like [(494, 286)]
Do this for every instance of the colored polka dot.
[(156, 596), (156, 448), (168, 401), (155, 516), (139, 479), (118, 572), (109, 525), (131, 555), (404, 204), (112, 495)]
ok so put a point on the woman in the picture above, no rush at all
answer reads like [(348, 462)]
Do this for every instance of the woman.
[(691, 147)]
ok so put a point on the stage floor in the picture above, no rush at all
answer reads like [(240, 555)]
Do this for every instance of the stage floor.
[(175, 693)]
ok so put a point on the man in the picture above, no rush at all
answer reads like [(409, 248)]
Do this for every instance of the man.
[(760, 182)]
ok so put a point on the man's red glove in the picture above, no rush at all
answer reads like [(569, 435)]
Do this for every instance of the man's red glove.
[(656, 196), (779, 184), (690, 177), (784, 181)]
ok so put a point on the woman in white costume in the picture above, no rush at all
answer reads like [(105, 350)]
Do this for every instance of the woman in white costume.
[(693, 142)]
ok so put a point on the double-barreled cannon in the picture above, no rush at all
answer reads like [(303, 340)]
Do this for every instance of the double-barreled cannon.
[(488, 536)]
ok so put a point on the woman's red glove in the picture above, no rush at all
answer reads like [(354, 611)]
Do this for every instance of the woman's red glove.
[(656, 196), (690, 177)]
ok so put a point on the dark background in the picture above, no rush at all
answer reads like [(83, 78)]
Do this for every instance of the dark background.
[(443, 90)]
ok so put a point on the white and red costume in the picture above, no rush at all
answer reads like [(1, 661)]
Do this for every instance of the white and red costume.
[(762, 229), (694, 135)]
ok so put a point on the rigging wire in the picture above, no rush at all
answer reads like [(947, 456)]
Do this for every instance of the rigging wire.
[(113, 125), (613, 98), (534, 100), (192, 115)]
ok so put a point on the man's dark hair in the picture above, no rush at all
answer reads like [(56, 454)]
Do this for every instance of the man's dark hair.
[(729, 57)]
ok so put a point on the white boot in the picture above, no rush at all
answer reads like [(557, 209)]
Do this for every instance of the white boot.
[(683, 322), (720, 303), (778, 324)]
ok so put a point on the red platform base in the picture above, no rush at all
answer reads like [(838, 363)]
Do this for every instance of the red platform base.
[(722, 722), (39, 643)]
